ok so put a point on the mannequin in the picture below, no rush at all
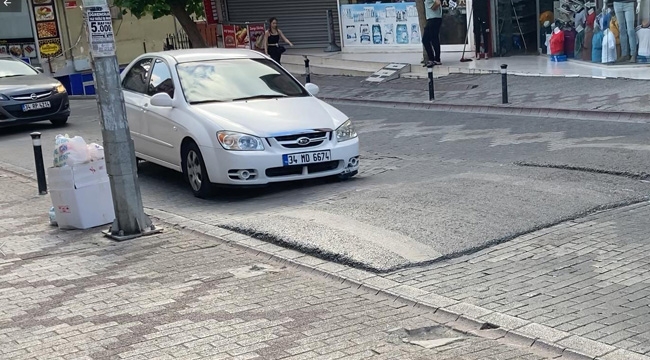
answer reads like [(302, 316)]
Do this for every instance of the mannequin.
[(643, 37), (556, 44), (625, 13)]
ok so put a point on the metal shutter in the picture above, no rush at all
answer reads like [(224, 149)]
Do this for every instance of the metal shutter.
[(304, 22)]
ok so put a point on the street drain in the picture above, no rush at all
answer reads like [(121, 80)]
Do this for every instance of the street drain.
[(429, 337)]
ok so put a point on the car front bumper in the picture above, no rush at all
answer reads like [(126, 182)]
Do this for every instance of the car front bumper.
[(11, 112), (264, 167)]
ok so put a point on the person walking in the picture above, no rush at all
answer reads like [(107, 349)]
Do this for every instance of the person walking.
[(431, 37), (272, 38)]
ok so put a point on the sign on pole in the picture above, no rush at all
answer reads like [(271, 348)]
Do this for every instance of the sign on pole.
[(100, 29)]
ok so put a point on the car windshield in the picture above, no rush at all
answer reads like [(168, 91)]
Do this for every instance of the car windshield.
[(10, 67), (235, 80)]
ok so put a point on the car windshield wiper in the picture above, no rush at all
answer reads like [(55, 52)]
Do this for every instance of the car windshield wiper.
[(204, 101), (260, 97)]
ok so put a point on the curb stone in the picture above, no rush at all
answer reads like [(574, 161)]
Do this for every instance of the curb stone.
[(617, 116), (461, 321)]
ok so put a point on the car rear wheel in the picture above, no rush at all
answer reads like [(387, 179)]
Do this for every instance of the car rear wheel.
[(195, 171), (59, 122)]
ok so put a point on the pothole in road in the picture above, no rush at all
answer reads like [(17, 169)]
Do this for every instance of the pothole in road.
[(429, 337)]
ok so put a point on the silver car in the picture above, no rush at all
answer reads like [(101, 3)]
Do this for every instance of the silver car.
[(28, 96)]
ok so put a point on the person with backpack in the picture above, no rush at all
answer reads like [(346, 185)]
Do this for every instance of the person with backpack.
[(272, 38)]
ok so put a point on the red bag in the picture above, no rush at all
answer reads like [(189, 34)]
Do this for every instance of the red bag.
[(557, 43)]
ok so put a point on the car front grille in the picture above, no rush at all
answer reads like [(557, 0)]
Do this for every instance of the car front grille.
[(297, 169), (17, 110), (295, 141), (38, 95)]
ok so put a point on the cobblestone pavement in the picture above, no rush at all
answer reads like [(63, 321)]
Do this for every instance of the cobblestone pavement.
[(529, 92), (183, 295), (581, 286)]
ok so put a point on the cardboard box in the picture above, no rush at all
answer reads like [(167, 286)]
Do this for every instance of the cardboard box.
[(81, 195)]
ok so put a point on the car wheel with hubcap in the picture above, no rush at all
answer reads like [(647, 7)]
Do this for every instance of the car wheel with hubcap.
[(59, 122), (195, 171)]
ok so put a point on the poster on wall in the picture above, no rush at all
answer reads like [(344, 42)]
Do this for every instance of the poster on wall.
[(242, 36), (47, 31), (18, 47), (255, 32), (228, 34), (376, 25)]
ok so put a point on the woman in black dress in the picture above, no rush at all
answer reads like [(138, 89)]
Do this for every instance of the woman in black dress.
[(272, 40)]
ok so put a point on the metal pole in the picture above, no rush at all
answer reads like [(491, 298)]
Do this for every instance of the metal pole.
[(38, 161), (307, 71), (430, 74), (130, 219), (332, 47), (504, 84)]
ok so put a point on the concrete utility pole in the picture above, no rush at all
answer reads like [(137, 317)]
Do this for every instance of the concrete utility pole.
[(130, 219)]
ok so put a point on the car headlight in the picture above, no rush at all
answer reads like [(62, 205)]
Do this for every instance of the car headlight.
[(230, 140), (4, 98), (60, 89), (346, 132)]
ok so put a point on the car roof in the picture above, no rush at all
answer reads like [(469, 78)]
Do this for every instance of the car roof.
[(189, 55)]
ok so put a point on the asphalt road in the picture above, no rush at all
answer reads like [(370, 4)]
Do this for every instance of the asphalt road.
[(432, 184)]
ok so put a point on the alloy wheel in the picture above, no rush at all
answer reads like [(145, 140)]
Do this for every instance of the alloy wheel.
[(194, 171)]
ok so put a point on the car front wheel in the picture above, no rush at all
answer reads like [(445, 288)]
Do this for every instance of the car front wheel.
[(195, 171), (59, 122)]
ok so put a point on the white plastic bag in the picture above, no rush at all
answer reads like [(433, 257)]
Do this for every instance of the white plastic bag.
[(70, 151), (96, 152), (61, 150)]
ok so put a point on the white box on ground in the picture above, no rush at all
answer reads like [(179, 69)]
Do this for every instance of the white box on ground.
[(81, 195)]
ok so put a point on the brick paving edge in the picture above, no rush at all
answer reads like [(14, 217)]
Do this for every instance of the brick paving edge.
[(621, 116), (458, 315), (584, 114)]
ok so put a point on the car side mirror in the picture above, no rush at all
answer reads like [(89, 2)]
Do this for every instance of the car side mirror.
[(39, 69), (312, 88), (161, 99)]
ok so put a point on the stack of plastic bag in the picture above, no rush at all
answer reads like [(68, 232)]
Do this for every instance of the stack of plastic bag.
[(74, 151)]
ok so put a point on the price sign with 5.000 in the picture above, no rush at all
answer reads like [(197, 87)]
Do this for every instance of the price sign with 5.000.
[(100, 27)]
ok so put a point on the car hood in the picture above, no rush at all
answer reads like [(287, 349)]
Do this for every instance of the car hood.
[(273, 117), (21, 84)]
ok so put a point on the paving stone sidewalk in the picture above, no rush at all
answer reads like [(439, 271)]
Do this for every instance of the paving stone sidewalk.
[(485, 90), (183, 295)]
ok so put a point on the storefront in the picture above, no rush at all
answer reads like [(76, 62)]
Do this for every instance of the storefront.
[(31, 31), (579, 30), (303, 22), (389, 25)]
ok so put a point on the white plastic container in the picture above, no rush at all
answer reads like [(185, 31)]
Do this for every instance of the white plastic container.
[(81, 195)]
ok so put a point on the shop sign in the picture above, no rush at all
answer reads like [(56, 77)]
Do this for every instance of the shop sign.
[(380, 25), (50, 47), (18, 47), (11, 6), (211, 11), (242, 36), (70, 4), (100, 30), (47, 28), (228, 36)]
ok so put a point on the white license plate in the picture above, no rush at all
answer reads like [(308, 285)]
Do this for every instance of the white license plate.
[(37, 106), (306, 158)]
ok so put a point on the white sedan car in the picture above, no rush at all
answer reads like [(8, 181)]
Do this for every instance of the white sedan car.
[(233, 117)]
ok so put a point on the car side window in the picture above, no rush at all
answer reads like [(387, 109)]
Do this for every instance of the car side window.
[(136, 78), (161, 80)]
